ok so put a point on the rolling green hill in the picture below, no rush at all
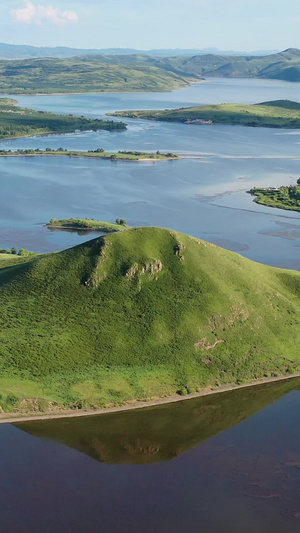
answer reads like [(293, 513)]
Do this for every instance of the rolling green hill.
[(276, 114), (283, 65), (48, 75), (141, 313), (138, 71)]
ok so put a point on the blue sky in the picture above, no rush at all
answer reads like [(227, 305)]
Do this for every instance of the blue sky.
[(224, 24)]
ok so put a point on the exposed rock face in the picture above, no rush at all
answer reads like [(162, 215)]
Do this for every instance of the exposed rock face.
[(178, 250), (152, 268), (97, 276), (203, 344), (132, 271)]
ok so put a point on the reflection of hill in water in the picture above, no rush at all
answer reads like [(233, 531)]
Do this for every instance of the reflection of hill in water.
[(80, 232), (161, 433)]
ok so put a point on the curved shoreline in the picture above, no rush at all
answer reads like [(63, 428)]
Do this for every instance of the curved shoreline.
[(10, 418)]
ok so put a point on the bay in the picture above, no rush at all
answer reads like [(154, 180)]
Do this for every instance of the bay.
[(203, 195), (228, 462)]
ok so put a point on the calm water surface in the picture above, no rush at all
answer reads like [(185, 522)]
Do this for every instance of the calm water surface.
[(228, 462), (204, 196)]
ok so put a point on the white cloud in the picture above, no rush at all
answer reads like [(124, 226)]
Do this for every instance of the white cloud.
[(37, 14)]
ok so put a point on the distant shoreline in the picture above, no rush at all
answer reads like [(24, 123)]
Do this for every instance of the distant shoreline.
[(187, 84), (87, 156), (11, 418)]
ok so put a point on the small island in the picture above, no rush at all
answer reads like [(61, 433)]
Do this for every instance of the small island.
[(88, 224), (285, 197), (274, 114), (16, 122), (99, 153)]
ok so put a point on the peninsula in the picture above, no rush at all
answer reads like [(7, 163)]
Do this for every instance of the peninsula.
[(99, 153), (285, 197), (18, 121), (273, 114), (141, 314)]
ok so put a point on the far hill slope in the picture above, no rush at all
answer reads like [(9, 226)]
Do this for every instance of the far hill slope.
[(277, 114), (142, 313), (99, 72), (86, 74)]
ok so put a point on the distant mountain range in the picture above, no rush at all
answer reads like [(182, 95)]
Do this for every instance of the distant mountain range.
[(138, 72), (17, 51)]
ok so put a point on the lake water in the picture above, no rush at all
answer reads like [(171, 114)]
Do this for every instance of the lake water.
[(204, 195), (228, 462)]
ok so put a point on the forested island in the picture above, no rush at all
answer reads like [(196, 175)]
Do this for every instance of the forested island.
[(285, 197), (99, 153), (88, 224), (273, 114), (17, 121)]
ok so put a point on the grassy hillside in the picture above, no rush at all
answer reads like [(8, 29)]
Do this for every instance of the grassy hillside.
[(138, 71), (141, 313), (277, 114), (18, 121), (283, 65), (46, 76), (161, 433)]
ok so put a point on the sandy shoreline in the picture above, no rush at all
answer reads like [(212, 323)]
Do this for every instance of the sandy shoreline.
[(10, 418)]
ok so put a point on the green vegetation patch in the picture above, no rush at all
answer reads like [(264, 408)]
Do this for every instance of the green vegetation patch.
[(285, 197), (99, 153), (86, 223), (17, 121), (84, 74), (142, 313), (278, 114)]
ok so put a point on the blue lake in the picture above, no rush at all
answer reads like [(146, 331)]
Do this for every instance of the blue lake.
[(229, 462), (204, 195)]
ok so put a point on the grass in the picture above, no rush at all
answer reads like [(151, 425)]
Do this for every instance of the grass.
[(7, 260), (8, 257), (84, 74), (138, 72), (285, 197), (86, 223), (17, 121), (134, 315), (277, 114), (99, 153)]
